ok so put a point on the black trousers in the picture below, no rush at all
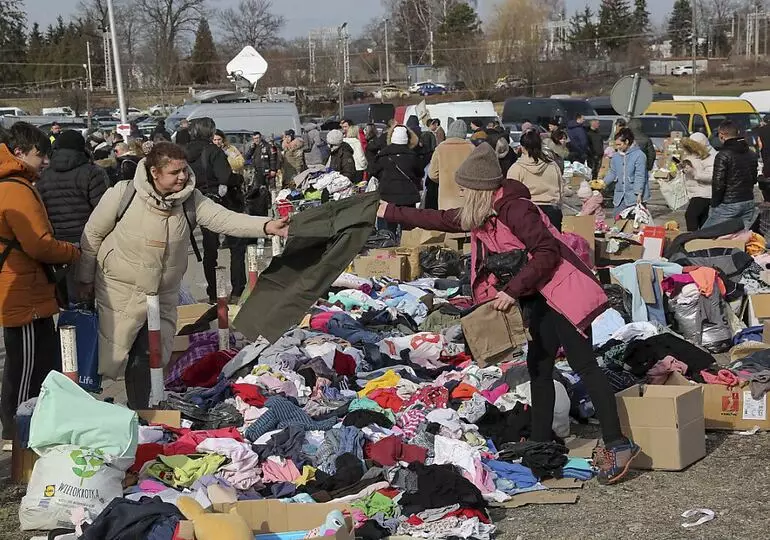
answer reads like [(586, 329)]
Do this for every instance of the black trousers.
[(237, 263), (554, 213), (431, 194), (697, 212), (31, 352), (551, 330), (138, 372)]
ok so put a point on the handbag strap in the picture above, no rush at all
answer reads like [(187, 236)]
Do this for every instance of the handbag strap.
[(399, 169)]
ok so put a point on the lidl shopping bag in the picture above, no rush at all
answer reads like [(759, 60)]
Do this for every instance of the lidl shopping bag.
[(67, 477), (86, 325)]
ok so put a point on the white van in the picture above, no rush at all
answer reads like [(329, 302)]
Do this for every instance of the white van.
[(58, 111), (457, 110), (267, 118), (12, 111)]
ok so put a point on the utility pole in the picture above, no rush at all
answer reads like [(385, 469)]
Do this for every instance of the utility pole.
[(89, 85), (387, 55), (694, 53), (756, 34), (116, 58), (341, 69)]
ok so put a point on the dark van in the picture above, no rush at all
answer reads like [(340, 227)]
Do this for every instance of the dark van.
[(374, 113), (540, 110)]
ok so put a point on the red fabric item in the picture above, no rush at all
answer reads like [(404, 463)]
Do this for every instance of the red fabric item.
[(468, 513), (320, 321), (464, 391), (249, 393), (205, 372), (457, 359), (387, 398), (391, 450), (344, 364), (189, 440), (144, 453), (388, 492), (414, 520)]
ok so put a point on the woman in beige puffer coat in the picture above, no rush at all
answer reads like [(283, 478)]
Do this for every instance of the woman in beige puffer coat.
[(146, 252), (697, 164)]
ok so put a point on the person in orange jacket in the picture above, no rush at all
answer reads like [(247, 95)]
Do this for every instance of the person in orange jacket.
[(27, 294)]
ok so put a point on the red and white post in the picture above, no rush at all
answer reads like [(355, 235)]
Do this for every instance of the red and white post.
[(252, 265), (69, 352), (222, 309), (157, 391)]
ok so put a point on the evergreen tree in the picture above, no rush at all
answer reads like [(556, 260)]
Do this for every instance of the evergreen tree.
[(680, 28), (583, 33), (35, 51), (204, 54), (460, 29), (12, 40), (641, 17), (615, 24)]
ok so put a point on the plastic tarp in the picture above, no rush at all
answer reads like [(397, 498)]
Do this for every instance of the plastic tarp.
[(67, 414)]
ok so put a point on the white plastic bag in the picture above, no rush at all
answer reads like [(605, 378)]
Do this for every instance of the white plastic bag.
[(66, 477), (674, 191)]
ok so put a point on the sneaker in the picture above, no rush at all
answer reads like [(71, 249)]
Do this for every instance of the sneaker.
[(613, 463)]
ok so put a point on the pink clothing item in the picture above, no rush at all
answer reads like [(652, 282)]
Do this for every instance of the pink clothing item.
[(673, 285), (274, 384), (242, 470), (321, 320), (482, 479), (273, 471), (152, 486), (410, 421), (724, 376), (663, 368), (494, 395), (573, 290)]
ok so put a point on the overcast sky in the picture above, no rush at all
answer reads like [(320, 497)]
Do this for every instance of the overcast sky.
[(305, 15)]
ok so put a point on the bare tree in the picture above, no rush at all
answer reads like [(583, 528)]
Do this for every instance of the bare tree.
[(516, 37), (251, 23), (166, 22)]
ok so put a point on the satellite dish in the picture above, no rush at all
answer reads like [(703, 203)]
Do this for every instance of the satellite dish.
[(248, 64), (631, 95)]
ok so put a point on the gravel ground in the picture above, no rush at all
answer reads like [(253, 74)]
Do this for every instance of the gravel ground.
[(733, 480)]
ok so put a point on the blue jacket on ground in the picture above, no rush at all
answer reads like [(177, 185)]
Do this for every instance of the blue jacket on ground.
[(578, 137), (629, 173)]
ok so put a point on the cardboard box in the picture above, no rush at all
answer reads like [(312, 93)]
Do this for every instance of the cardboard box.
[(273, 516), (702, 243), (667, 422), (383, 264), (583, 226), (728, 408), (631, 252), (167, 418), (421, 237), (190, 314), (759, 309)]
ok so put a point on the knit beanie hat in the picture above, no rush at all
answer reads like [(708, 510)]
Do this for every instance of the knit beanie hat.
[(334, 137), (71, 140), (400, 135), (457, 129), (481, 170), (526, 126)]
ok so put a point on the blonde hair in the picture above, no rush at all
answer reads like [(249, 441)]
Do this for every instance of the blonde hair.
[(476, 209), (352, 132)]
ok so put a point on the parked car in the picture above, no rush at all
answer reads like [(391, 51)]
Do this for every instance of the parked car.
[(417, 87), (507, 83), (391, 92), (678, 71), (430, 89), (131, 113), (161, 109), (356, 94)]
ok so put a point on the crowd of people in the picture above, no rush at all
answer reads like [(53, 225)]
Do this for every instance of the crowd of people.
[(119, 214)]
